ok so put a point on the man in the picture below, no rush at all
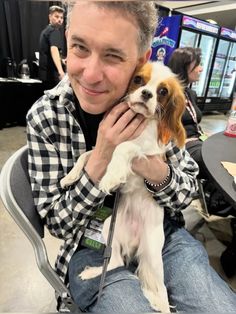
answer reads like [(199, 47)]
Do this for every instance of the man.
[(106, 41), (51, 69)]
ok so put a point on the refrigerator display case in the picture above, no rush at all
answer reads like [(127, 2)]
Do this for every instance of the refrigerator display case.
[(222, 80), (218, 46), (207, 45), (228, 81)]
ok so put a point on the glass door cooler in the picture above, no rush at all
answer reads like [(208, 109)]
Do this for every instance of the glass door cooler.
[(199, 33), (207, 45), (222, 80)]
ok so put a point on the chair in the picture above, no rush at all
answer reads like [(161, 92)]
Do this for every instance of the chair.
[(202, 197), (16, 194)]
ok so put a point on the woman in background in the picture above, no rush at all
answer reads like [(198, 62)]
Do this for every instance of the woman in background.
[(186, 63)]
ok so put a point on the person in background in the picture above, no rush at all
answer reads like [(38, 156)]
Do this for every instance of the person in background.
[(106, 42), (51, 65), (186, 63)]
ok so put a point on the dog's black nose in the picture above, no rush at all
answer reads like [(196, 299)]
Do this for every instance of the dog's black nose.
[(146, 94)]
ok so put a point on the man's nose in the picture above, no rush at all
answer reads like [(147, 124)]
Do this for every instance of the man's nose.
[(93, 69)]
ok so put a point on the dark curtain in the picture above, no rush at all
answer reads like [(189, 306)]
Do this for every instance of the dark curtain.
[(21, 22)]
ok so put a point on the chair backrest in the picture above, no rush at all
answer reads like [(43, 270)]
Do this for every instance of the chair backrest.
[(16, 194), (21, 189)]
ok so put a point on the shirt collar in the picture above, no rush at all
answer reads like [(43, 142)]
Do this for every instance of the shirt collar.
[(61, 90)]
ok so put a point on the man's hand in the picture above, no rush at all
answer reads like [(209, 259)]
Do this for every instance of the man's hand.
[(118, 125), (153, 168)]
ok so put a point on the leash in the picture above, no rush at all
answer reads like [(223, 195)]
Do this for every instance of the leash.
[(108, 248)]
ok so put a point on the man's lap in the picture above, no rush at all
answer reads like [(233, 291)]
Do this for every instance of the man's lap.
[(120, 285), (191, 283)]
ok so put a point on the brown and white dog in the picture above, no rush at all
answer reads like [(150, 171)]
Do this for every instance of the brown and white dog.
[(156, 93)]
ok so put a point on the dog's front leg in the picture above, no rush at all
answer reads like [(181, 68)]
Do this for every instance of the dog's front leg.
[(120, 166), (74, 174)]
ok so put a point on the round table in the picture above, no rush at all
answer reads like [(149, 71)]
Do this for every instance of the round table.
[(215, 149)]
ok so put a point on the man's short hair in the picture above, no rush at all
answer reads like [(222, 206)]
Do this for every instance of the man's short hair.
[(144, 12), (55, 8)]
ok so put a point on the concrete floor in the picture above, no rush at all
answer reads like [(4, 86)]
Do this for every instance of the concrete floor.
[(24, 289)]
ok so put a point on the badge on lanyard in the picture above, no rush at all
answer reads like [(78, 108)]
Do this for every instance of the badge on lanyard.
[(92, 237), (203, 137)]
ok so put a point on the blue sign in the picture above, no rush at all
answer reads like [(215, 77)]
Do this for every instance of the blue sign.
[(166, 38)]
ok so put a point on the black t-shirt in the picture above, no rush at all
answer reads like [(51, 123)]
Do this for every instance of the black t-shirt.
[(89, 124), (50, 36)]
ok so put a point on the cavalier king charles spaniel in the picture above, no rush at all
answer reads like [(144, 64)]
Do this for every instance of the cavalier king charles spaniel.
[(156, 93)]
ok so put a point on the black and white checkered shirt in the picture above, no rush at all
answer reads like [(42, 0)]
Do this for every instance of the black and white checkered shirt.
[(55, 141)]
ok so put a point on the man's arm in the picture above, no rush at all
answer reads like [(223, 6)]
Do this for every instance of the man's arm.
[(177, 194), (57, 60), (50, 157)]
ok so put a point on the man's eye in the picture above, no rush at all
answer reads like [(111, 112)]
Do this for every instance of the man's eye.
[(115, 58), (138, 80), (79, 48)]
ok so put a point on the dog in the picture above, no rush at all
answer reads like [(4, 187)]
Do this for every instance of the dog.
[(156, 93)]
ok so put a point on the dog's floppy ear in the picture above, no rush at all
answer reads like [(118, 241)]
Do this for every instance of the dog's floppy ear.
[(171, 126), (164, 133)]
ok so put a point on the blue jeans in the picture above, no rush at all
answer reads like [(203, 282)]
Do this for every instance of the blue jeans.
[(192, 284)]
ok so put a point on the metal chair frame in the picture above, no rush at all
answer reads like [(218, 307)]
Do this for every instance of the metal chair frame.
[(16, 194)]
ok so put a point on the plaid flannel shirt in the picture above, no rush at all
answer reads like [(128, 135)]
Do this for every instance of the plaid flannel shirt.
[(55, 141)]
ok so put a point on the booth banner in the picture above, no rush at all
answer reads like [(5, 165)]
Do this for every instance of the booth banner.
[(166, 38), (228, 33)]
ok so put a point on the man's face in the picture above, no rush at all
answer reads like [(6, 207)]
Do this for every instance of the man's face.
[(56, 18), (102, 54)]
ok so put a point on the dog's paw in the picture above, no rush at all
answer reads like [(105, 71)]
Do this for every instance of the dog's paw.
[(72, 176), (158, 302), (110, 182), (66, 181), (90, 272)]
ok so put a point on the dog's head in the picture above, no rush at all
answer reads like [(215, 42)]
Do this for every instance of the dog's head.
[(156, 92)]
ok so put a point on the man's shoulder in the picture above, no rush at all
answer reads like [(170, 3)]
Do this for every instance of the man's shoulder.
[(48, 30), (52, 103), (43, 104)]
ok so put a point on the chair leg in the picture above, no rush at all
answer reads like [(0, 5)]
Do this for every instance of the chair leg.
[(202, 198), (228, 257)]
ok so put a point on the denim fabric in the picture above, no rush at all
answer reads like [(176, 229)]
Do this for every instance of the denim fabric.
[(192, 285)]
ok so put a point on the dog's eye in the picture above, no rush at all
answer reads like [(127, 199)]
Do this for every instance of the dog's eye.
[(138, 80), (162, 91)]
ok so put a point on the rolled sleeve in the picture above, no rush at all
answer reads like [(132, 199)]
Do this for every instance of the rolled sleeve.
[(177, 195)]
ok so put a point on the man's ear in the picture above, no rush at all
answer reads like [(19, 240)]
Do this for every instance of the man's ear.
[(145, 57)]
